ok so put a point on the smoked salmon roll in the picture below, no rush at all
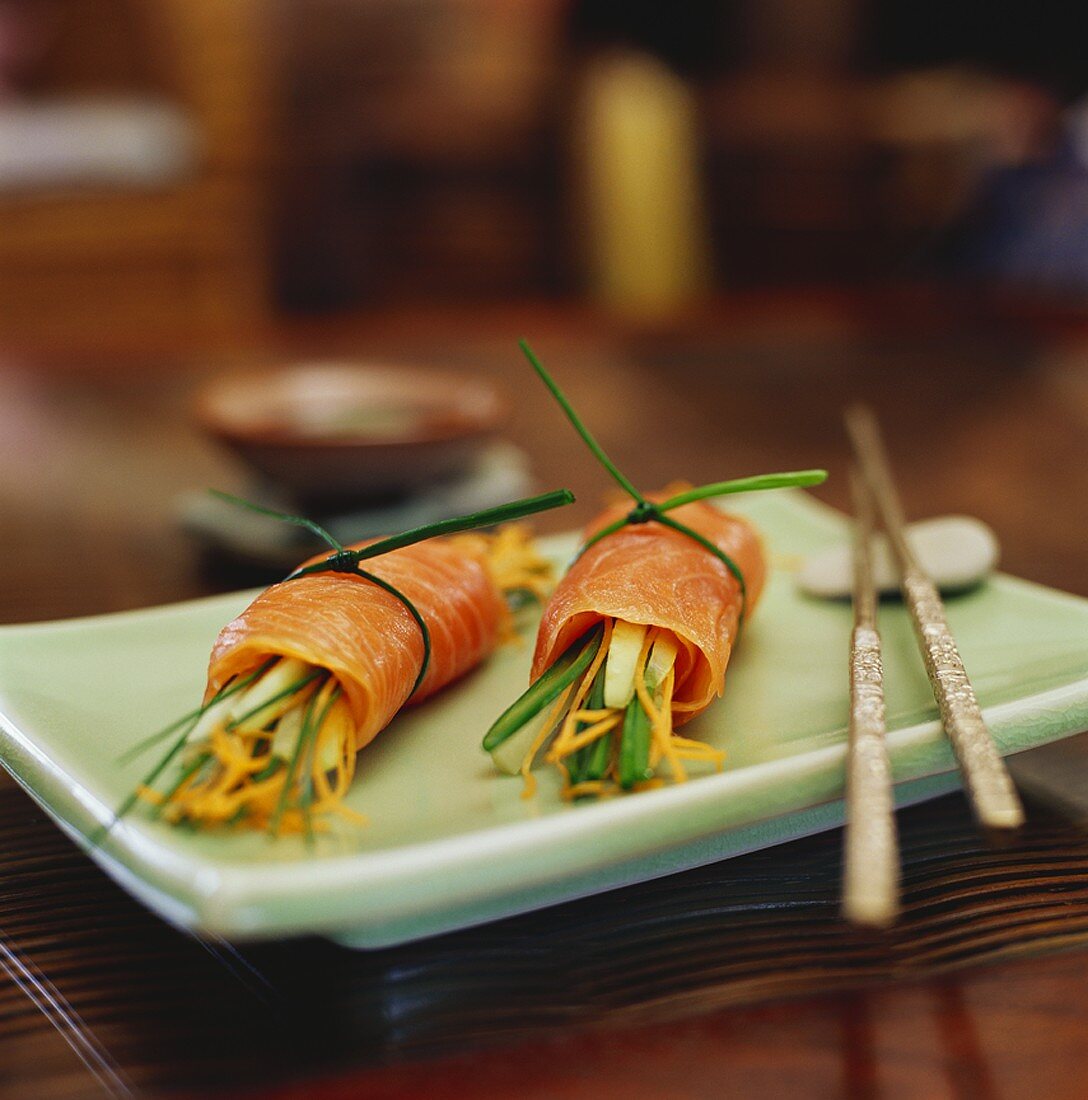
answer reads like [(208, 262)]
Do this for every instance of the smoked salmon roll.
[(641, 630), (636, 638), (317, 665)]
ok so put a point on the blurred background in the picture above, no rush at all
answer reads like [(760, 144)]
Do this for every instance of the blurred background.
[(719, 221), (204, 165)]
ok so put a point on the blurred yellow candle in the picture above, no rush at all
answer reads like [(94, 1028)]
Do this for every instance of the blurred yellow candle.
[(645, 235)]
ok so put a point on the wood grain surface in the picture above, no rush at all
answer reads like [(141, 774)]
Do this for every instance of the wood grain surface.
[(736, 979), (147, 1008)]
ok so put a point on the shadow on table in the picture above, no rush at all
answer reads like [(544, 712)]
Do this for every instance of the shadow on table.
[(162, 1009)]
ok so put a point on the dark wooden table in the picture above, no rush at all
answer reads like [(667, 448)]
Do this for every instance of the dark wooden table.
[(736, 979)]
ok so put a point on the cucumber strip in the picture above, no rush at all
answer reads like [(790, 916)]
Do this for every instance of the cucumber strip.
[(634, 762), (572, 664), (308, 729), (332, 748), (284, 671), (623, 651), (519, 598), (249, 721), (288, 730), (219, 712), (510, 755), (662, 658)]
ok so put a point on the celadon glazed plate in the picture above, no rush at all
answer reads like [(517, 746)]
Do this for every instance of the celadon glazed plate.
[(452, 843)]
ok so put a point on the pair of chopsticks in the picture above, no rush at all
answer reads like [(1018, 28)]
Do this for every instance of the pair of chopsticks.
[(871, 858)]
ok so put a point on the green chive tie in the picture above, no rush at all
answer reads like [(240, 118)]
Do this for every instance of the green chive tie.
[(646, 511), (343, 560)]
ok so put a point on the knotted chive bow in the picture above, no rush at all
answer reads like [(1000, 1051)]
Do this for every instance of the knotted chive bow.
[(646, 511), (343, 560)]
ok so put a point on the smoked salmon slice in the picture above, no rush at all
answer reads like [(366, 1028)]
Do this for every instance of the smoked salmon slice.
[(365, 637), (658, 577)]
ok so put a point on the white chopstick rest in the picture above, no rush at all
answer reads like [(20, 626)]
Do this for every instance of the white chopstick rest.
[(989, 786), (957, 552), (871, 849)]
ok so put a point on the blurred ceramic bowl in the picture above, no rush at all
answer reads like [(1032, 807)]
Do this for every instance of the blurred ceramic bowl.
[(351, 430)]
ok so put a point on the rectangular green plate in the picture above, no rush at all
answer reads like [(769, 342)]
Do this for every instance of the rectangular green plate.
[(451, 843)]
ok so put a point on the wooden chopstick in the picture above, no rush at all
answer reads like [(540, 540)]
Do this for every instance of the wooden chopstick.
[(870, 892), (989, 786)]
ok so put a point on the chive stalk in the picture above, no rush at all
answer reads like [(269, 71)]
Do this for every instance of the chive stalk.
[(573, 663), (591, 761), (308, 730), (306, 798), (645, 511), (269, 769), (412, 610), (489, 517), (579, 427), (714, 549), (285, 517), (194, 716), (100, 835), (186, 774), (634, 757), (794, 479)]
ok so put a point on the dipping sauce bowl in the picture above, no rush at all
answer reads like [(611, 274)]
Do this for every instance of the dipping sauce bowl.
[(340, 431)]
